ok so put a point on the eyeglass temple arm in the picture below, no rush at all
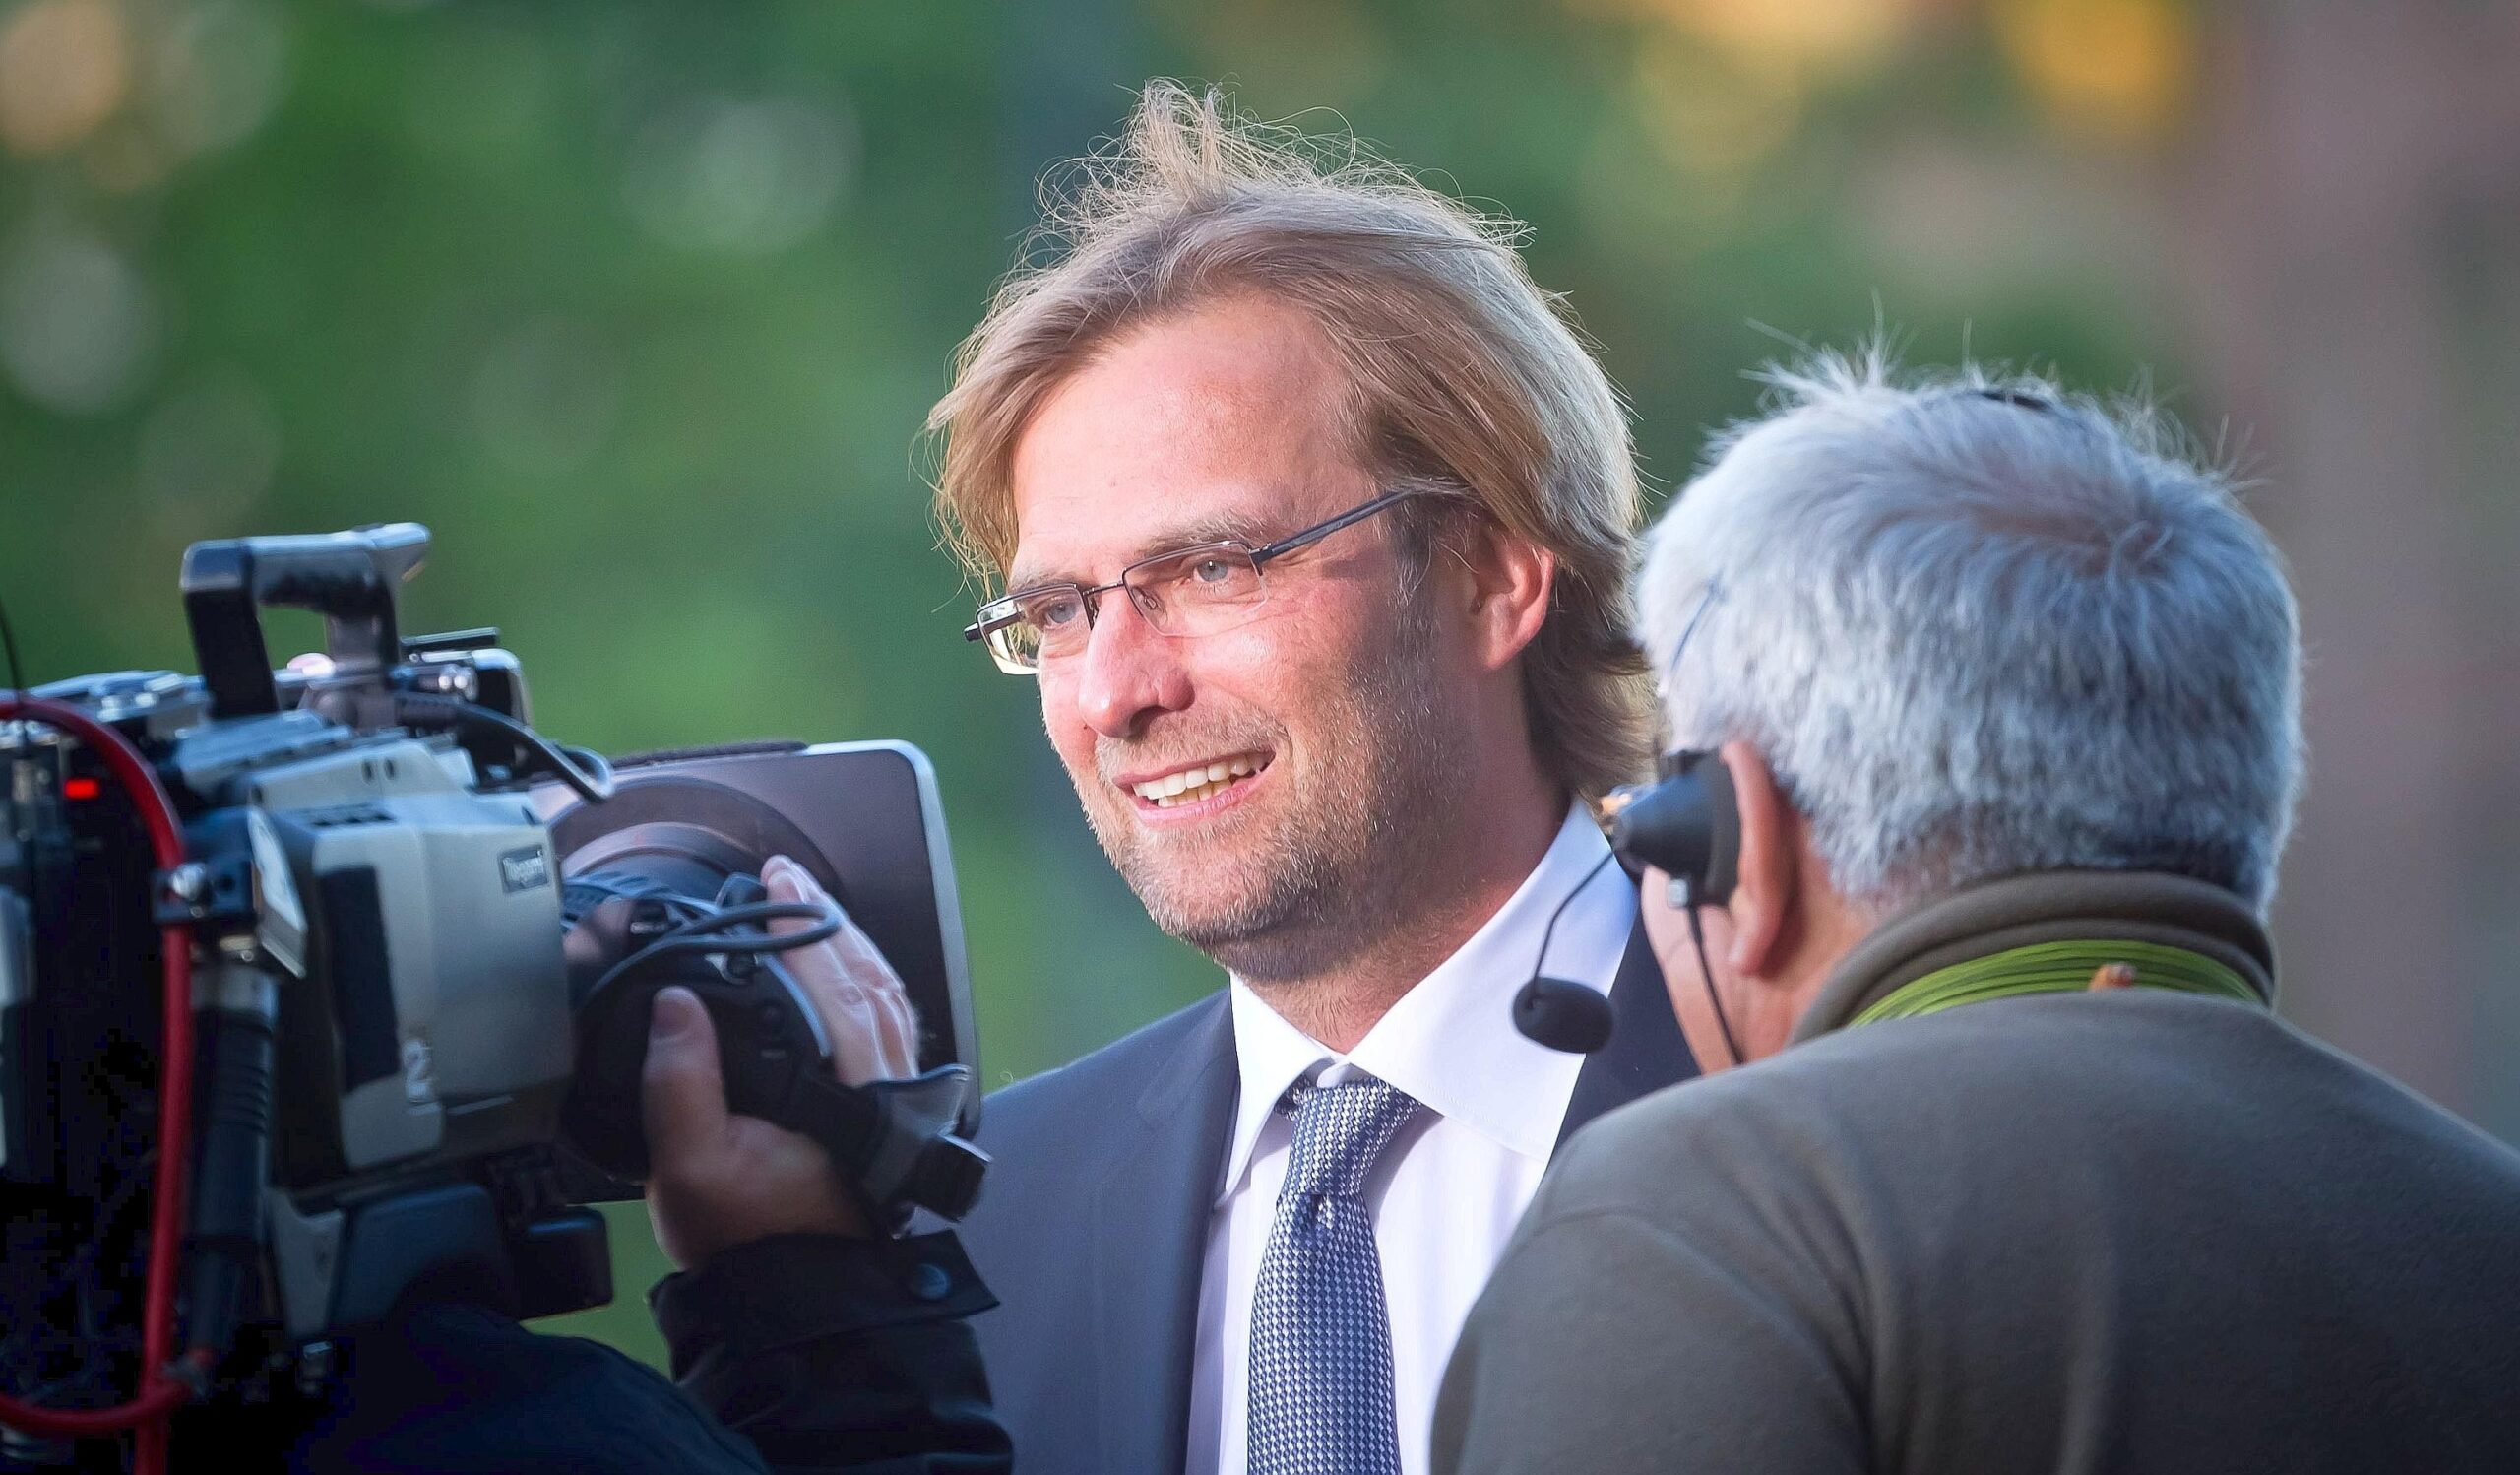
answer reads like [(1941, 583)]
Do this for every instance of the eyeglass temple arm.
[(1348, 518)]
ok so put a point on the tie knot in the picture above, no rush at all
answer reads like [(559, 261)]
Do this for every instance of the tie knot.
[(1339, 1131)]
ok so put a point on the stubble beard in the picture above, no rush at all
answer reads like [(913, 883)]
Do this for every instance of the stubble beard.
[(1326, 876)]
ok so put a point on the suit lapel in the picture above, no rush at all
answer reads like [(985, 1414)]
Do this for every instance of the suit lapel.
[(1151, 1215), (1149, 1243), (1646, 1052)]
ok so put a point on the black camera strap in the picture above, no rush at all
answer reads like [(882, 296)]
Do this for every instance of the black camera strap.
[(893, 1140)]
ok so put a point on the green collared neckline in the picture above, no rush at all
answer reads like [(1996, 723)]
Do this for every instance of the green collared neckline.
[(2056, 968)]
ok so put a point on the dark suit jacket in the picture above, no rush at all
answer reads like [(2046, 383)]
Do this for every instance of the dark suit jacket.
[(1095, 1222)]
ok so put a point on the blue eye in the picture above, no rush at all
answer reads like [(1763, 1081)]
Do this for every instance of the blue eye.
[(1056, 612)]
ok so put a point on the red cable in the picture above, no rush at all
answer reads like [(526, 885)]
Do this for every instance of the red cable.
[(161, 1391)]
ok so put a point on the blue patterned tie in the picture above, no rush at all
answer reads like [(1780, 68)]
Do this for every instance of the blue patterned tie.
[(1320, 1335)]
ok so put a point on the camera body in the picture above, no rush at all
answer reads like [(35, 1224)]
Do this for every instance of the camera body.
[(419, 1011), (360, 895)]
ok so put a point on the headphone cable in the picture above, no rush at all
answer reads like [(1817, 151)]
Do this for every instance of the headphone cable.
[(1706, 975)]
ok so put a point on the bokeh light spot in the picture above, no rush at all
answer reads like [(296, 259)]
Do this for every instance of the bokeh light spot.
[(2123, 68), (208, 452), (78, 326), (1809, 39), (740, 176), (65, 66), (1712, 119), (216, 73)]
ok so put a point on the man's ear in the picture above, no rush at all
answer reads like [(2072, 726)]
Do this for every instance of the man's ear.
[(1763, 900), (1510, 579)]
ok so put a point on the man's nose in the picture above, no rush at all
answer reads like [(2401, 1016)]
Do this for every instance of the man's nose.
[(1130, 671)]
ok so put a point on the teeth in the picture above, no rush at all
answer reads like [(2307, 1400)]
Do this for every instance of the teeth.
[(1191, 784)]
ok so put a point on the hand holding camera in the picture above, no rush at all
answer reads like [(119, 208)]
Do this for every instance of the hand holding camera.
[(718, 1178)]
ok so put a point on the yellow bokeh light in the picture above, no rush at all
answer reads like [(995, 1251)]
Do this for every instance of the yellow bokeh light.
[(65, 66), (1806, 38), (2124, 68), (1711, 119)]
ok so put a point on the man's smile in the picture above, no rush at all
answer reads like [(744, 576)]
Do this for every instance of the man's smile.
[(1195, 790)]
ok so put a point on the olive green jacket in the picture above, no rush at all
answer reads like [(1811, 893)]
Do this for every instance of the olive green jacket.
[(2138, 1229)]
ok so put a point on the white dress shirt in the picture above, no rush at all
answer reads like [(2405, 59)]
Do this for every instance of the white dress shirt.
[(1449, 1189)]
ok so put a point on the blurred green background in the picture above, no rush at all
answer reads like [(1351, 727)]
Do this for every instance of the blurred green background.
[(639, 307)]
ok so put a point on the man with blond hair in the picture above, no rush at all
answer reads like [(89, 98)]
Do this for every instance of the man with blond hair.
[(1313, 519)]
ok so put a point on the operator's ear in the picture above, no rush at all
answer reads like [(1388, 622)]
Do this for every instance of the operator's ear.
[(1765, 888), (1509, 580)]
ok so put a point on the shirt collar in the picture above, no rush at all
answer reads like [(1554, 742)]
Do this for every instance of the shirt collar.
[(1450, 1042)]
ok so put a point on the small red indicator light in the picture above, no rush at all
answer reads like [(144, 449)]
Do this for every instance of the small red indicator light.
[(80, 787)]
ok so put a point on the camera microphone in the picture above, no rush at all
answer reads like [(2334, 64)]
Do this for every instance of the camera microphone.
[(1558, 1012)]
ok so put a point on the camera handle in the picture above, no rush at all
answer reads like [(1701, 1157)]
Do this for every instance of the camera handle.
[(349, 578)]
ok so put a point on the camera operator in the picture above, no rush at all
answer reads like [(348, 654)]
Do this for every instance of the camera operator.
[(817, 1342), (1987, 703)]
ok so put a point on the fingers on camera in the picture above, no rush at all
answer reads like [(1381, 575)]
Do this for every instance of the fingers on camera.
[(899, 1036), (786, 882), (863, 966), (878, 1028), (681, 1093)]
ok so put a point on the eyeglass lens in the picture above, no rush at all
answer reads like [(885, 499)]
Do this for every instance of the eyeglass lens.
[(1198, 591)]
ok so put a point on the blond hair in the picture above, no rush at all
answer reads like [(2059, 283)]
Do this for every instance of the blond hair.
[(1461, 371)]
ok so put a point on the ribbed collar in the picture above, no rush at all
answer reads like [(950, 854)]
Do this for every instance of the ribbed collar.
[(2055, 906)]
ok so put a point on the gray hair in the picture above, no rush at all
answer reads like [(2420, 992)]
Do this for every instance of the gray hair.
[(1982, 627)]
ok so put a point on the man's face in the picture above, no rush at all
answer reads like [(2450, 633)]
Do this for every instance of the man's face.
[(1314, 726)]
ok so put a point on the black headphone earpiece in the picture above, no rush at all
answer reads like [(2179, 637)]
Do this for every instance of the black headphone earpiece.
[(1688, 825)]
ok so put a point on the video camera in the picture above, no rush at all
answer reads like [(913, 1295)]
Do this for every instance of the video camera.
[(405, 948)]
